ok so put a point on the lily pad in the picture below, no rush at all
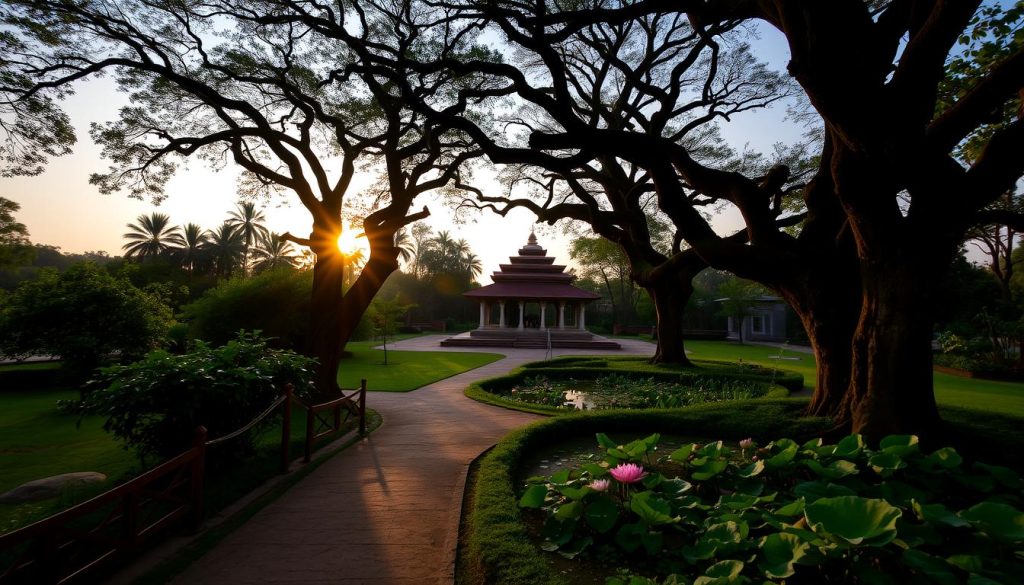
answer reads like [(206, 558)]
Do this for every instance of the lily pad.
[(533, 497), (1001, 521), (899, 445), (852, 520), (601, 514), (779, 552), (721, 573)]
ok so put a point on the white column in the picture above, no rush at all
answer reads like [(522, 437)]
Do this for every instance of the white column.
[(501, 314), (522, 313), (583, 316), (482, 310), (543, 321), (561, 315)]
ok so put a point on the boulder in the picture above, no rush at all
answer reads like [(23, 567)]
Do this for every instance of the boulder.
[(49, 487)]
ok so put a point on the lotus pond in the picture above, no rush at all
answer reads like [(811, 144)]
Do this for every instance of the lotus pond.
[(656, 511), (622, 391)]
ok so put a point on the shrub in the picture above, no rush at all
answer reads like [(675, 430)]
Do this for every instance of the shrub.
[(154, 405), (275, 302), (812, 512), (84, 315)]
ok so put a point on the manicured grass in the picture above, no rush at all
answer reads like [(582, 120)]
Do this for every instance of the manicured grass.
[(758, 354), (406, 370), (37, 441), (986, 395)]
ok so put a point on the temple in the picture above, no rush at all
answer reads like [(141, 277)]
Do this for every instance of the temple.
[(532, 299)]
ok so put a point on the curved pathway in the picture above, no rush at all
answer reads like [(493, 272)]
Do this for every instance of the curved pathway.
[(386, 510)]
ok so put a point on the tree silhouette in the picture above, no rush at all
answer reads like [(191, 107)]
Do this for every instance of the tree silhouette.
[(249, 222), (15, 248), (273, 252), (152, 236), (226, 247), (285, 90), (193, 241)]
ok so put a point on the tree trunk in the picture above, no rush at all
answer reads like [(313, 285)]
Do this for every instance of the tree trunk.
[(326, 310), (382, 263), (670, 296), (891, 378)]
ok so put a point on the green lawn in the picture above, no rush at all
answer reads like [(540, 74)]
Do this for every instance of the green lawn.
[(989, 395), (406, 370)]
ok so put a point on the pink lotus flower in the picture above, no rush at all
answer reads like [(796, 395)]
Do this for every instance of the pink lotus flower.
[(628, 473), (599, 485), (746, 443)]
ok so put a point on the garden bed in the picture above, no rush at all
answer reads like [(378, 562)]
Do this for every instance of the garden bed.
[(571, 383), (500, 547)]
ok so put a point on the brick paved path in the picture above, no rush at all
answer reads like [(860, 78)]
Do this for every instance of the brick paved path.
[(384, 511)]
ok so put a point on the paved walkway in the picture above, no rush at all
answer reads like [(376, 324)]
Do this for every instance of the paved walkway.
[(386, 510)]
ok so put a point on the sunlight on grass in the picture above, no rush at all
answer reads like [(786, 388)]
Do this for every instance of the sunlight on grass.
[(406, 370), (987, 395)]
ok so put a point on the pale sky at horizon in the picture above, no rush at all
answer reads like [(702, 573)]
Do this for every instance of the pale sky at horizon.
[(61, 208)]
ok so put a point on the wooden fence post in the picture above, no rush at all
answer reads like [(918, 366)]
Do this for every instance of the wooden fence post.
[(198, 470), (362, 406), (286, 428), (310, 417)]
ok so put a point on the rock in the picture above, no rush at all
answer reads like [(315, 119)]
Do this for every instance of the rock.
[(49, 487)]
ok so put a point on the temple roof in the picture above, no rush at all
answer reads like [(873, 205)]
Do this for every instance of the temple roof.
[(532, 275)]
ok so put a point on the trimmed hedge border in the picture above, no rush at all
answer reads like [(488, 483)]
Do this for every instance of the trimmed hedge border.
[(498, 548)]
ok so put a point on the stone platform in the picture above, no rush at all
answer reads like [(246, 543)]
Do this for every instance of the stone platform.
[(531, 339)]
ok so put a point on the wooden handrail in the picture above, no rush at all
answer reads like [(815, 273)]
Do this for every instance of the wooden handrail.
[(53, 546)]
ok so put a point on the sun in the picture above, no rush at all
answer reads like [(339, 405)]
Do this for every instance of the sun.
[(350, 241)]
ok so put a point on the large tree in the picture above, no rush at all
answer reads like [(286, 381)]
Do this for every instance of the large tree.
[(15, 247), (887, 205), (272, 87)]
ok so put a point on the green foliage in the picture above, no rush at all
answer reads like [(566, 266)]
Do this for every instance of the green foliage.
[(995, 32), (499, 550), (153, 406), (824, 512), (626, 390), (275, 302), (15, 249), (715, 376), (83, 315)]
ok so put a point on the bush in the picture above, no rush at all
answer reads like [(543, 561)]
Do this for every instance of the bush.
[(409, 329), (275, 302), (154, 405), (84, 315)]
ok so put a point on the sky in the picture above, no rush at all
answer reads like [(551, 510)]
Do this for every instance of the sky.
[(61, 208)]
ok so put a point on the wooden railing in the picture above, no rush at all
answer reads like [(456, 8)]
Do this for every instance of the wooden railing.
[(71, 545)]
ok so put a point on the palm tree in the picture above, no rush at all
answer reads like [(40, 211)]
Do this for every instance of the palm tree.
[(151, 236), (353, 265), (227, 247), (193, 241), (474, 267), (406, 247), (272, 252), (249, 222)]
